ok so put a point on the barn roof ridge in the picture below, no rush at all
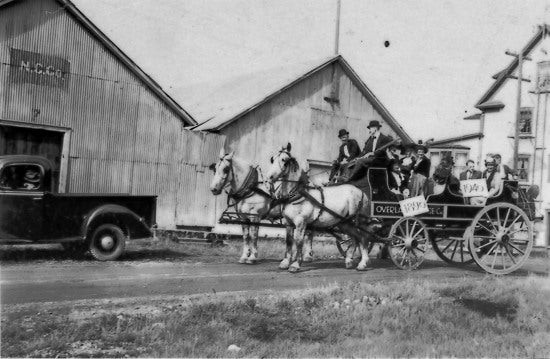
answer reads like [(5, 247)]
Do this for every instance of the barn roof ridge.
[(214, 123), (501, 76), (125, 59)]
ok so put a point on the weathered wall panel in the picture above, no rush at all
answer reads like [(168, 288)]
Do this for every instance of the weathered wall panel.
[(301, 116), (123, 138)]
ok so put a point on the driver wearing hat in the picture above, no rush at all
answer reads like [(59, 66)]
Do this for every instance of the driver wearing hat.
[(31, 180), (349, 150)]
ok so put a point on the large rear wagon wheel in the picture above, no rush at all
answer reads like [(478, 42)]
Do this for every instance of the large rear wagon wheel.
[(409, 242), (500, 238), (453, 250), (107, 242)]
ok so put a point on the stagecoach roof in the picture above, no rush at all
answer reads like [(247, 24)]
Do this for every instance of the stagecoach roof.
[(222, 105)]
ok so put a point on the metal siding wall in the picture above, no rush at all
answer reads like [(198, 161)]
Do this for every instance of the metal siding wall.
[(301, 116), (124, 139)]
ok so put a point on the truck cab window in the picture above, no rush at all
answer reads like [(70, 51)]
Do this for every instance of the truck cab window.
[(21, 177)]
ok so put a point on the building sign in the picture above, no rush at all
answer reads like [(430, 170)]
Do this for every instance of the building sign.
[(38, 69), (474, 188), (385, 209), (543, 76)]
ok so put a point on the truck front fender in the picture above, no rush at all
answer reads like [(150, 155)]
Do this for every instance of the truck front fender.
[(131, 224)]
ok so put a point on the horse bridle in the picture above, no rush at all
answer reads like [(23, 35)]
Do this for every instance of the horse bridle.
[(229, 171), (286, 168)]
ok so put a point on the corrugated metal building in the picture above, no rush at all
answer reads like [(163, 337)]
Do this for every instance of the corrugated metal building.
[(68, 93), (305, 104)]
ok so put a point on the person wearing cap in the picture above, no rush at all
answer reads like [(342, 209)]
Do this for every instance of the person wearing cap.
[(348, 151)]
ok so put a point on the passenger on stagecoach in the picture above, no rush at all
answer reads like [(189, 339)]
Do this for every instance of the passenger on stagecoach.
[(349, 150), (494, 181), (471, 172), (408, 161), (420, 171), (375, 154), (397, 181), (506, 173)]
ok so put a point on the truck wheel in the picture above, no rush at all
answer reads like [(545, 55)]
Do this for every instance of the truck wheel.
[(107, 242)]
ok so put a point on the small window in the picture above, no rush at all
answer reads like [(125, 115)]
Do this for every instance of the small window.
[(523, 168), (22, 178), (525, 117)]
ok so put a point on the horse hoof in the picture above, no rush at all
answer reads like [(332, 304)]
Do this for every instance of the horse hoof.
[(349, 265), (284, 265), (251, 261), (294, 269), (363, 269), (242, 260)]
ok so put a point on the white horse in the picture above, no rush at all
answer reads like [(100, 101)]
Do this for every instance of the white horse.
[(252, 200), (328, 208)]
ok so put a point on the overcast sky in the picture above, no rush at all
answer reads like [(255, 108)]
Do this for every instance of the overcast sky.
[(440, 58)]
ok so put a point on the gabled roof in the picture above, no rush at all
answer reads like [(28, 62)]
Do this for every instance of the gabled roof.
[(451, 140), (234, 99), (502, 76), (122, 57)]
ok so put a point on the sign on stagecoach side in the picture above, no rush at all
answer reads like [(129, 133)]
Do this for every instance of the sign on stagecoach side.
[(413, 206), (474, 188)]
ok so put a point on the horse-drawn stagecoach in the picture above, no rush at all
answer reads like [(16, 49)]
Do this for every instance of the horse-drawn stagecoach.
[(498, 236)]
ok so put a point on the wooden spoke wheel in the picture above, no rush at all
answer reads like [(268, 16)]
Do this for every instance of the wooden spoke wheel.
[(409, 242), (453, 250), (500, 238)]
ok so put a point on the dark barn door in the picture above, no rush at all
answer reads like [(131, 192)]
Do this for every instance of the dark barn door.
[(30, 141)]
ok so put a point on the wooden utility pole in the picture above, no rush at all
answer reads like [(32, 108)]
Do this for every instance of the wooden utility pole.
[(337, 37), (520, 78)]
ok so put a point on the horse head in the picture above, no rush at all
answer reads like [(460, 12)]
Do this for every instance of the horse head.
[(223, 171), (283, 164)]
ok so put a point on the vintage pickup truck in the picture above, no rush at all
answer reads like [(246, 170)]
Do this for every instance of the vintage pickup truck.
[(30, 212)]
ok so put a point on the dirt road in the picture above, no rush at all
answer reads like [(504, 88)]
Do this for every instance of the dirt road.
[(59, 281)]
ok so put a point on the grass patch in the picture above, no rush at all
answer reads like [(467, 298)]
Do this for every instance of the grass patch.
[(494, 317)]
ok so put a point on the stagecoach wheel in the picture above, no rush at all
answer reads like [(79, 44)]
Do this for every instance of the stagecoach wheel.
[(453, 250), (409, 241), (500, 238)]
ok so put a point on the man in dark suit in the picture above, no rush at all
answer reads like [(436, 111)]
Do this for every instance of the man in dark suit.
[(471, 172), (349, 150), (371, 156)]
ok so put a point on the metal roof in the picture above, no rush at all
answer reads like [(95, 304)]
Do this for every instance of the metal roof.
[(122, 57), (502, 76), (227, 103), (450, 140)]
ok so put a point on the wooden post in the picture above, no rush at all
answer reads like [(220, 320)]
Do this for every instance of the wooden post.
[(518, 112)]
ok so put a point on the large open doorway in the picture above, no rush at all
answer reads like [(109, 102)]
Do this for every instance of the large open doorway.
[(23, 140)]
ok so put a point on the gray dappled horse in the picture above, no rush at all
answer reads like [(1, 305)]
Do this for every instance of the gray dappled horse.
[(251, 199), (303, 206)]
